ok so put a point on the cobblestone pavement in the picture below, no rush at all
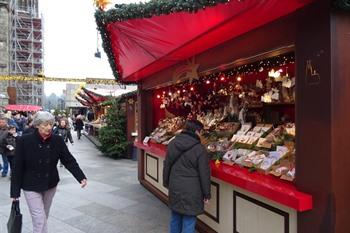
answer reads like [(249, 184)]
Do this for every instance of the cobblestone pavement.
[(113, 201)]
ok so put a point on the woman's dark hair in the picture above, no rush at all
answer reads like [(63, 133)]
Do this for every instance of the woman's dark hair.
[(193, 125)]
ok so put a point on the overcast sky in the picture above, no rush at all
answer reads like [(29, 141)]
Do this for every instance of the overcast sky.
[(70, 41)]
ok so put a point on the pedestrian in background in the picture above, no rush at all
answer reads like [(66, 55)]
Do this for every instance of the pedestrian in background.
[(70, 122), (63, 131), (3, 135), (9, 144), (12, 120), (29, 128), (79, 125), (35, 169), (20, 122), (187, 176)]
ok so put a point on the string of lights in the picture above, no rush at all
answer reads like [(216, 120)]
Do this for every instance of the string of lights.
[(230, 77), (57, 79)]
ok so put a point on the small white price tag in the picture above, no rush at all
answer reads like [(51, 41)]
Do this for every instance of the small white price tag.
[(146, 140)]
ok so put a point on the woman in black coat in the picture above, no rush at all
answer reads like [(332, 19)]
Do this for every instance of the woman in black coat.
[(35, 169), (187, 176), (63, 130), (79, 125), (9, 144)]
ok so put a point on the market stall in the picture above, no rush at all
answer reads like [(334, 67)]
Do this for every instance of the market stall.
[(93, 99), (101, 101), (260, 76), (120, 126)]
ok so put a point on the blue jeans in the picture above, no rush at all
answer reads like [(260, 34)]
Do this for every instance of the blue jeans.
[(180, 223), (5, 167)]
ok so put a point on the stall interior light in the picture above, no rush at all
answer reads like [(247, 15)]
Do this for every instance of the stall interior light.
[(275, 74), (207, 82), (158, 96), (239, 79), (178, 91), (170, 93), (192, 88)]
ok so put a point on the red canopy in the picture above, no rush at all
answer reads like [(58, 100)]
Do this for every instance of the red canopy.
[(95, 97), (83, 101), (23, 108), (142, 47)]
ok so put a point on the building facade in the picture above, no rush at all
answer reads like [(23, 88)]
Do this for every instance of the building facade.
[(70, 92), (21, 46), (4, 49)]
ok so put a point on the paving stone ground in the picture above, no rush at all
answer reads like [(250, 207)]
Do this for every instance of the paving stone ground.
[(113, 201)]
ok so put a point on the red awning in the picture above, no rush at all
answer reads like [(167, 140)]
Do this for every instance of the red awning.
[(95, 97), (23, 108), (142, 47), (82, 101)]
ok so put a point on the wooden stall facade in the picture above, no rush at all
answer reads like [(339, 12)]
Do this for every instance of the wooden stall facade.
[(320, 39)]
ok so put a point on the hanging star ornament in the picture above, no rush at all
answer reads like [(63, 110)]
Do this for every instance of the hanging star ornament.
[(102, 4)]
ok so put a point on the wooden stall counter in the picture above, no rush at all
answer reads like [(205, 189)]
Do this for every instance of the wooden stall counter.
[(242, 202)]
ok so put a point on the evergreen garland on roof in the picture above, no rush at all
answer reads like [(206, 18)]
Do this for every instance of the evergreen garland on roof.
[(342, 4), (123, 12)]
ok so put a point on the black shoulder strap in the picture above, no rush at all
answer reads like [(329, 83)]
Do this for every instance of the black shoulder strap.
[(178, 157)]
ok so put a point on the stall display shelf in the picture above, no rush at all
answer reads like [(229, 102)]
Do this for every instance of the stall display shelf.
[(274, 189)]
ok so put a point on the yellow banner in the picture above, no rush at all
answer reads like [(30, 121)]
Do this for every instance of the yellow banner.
[(56, 79)]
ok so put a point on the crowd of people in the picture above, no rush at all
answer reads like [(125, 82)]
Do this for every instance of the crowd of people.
[(31, 146), (17, 124)]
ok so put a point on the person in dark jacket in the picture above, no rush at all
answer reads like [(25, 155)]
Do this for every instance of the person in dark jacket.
[(29, 128), (186, 174), (63, 130), (35, 169), (3, 135), (79, 125), (9, 144)]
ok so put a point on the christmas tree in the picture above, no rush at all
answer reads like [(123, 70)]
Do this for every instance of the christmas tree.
[(113, 136)]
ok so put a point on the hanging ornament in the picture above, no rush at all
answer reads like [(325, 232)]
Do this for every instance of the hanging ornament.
[(222, 77)]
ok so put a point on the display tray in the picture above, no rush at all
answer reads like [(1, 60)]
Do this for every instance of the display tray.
[(267, 186)]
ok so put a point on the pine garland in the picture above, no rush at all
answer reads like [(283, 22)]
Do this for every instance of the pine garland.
[(342, 4), (123, 12)]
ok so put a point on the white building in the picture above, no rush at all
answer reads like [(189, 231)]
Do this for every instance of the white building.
[(70, 100)]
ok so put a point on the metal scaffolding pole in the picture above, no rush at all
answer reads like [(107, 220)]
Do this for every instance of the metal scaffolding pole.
[(26, 50)]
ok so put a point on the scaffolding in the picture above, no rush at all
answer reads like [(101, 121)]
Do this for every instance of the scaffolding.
[(26, 50)]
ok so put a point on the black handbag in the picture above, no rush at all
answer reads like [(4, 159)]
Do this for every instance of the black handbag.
[(14, 224)]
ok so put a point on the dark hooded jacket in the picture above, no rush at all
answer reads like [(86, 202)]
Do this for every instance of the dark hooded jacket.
[(10, 140), (3, 135), (187, 174), (64, 133)]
